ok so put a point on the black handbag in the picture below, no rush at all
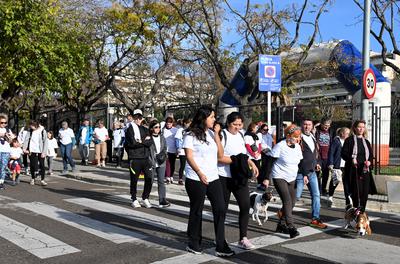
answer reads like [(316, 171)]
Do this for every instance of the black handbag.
[(161, 157), (254, 147)]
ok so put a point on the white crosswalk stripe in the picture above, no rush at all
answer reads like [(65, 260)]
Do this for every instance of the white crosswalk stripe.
[(136, 215), (184, 210), (32, 240), (106, 231)]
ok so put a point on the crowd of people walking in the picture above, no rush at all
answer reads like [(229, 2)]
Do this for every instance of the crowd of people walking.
[(216, 160)]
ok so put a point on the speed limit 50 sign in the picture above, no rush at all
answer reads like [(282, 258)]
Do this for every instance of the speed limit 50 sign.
[(369, 83)]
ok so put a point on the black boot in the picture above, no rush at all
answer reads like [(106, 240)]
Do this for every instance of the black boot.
[(293, 232), (282, 228)]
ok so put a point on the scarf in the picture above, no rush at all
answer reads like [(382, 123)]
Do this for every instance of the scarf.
[(355, 148)]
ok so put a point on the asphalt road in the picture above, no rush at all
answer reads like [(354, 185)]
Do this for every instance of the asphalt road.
[(76, 222)]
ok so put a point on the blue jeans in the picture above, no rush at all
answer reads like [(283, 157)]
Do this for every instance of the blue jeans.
[(4, 157), (314, 192), (66, 154)]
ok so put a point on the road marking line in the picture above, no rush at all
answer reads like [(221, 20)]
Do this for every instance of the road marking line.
[(130, 213), (32, 240), (103, 230), (184, 210), (258, 242)]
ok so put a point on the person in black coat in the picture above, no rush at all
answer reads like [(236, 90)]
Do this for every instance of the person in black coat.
[(137, 144), (358, 180)]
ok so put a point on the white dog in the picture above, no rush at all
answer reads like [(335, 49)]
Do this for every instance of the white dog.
[(259, 203)]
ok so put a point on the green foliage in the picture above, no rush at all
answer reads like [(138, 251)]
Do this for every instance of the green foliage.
[(38, 54)]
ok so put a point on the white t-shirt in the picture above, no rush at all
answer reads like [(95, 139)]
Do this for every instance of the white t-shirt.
[(310, 140), (102, 133), (179, 136), (22, 135), (169, 135), (83, 135), (51, 147), (249, 140), (204, 155), (65, 136), (5, 148), (16, 153), (287, 164), (36, 138), (234, 146), (157, 143), (118, 134)]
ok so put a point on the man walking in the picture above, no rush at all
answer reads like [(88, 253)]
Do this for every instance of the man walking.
[(137, 144), (308, 168), (84, 137)]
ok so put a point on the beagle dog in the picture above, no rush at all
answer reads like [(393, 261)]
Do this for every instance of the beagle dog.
[(259, 203), (360, 218), (363, 227)]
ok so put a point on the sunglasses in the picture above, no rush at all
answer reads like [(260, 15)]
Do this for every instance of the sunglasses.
[(3, 123), (265, 130)]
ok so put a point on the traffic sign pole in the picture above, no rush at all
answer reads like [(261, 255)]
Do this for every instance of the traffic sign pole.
[(366, 33)]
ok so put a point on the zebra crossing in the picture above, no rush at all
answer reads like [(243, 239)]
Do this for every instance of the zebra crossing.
[(44, 246)]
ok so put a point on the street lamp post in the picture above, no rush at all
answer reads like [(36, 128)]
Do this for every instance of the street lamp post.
[(108, 109)]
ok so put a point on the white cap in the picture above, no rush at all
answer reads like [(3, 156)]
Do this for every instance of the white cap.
[(137, 112)]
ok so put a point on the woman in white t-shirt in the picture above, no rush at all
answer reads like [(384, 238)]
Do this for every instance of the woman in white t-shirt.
[(51, 151), (169, 132), (5, 136), (253, 144), (66, 137), (286, 156), (202, 179), (232, 144), (118, 143), (100, 136)]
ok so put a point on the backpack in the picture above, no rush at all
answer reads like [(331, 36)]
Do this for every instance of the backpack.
[(226, 136)]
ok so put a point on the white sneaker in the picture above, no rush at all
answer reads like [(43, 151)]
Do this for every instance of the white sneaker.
[(245, 244), (32, 182), (330, 201), (43, 183), (146, 203), (136, 204)]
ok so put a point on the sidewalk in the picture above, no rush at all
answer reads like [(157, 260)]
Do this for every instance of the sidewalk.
[(112, 176)]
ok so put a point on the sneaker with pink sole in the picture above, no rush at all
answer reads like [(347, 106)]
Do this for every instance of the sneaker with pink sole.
[(245, 244)]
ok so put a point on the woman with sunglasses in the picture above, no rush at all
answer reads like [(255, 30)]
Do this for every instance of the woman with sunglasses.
[(158, 157), (5, 137)]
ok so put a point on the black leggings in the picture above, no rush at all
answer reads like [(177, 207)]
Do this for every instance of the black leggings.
[(171, 159), (258, 165), (197, 192), (324, 176), (182, 164), (241, 193), (287, 193), (37, 162)]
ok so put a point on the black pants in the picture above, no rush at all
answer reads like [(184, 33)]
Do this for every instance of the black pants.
[(332, 188), (324, 176), (287, 193), (241, 193), (359, 194), (182, 164), (171, 160), (138, 166), (25, 161), (37, 163), (258, 165), (197, 192), (119, 152)]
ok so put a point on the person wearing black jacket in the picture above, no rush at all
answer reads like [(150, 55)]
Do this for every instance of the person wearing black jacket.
[(358, 156), (137, 144), (308, 168)]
